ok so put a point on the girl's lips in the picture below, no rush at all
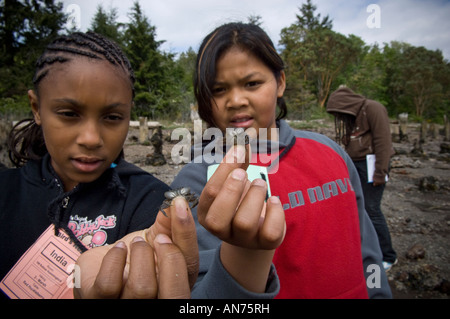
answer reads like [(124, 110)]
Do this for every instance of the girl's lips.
[(87, 165), (244, 122)]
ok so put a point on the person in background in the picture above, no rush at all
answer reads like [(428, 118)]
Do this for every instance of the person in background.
[(362, 126)]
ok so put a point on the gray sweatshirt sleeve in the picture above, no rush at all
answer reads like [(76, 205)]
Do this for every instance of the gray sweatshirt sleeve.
[(216, 283)]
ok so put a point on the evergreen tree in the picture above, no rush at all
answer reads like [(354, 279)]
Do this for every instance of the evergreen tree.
[(315, 55), (141, 48), (26, 27), (105, 23)]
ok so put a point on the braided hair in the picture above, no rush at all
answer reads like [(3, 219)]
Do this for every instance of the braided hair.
[(26, 141), (344, 125)]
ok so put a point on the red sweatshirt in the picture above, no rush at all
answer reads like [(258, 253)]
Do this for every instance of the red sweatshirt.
[(320, 256), (330, 245)]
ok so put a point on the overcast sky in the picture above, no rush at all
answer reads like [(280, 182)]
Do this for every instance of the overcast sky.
[(184, 23)]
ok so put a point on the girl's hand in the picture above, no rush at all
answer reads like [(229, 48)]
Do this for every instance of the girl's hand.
[(159, 262), (234, 210)]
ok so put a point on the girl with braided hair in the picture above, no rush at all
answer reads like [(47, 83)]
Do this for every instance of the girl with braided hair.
[(71, 177), (71, 174)]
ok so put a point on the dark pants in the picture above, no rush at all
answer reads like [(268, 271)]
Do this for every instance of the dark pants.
[(372, 200)]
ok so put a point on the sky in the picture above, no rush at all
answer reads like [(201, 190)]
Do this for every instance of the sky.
[(184, 23)]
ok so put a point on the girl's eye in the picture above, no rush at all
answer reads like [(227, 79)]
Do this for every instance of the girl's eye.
[(252, 84), (68, 114), (113, 117), (218, 90)]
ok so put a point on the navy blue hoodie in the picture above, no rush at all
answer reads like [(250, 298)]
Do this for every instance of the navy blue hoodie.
[(124, 199)]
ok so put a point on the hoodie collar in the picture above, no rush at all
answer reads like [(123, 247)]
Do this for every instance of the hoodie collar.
[(48, 176), (209, 148)]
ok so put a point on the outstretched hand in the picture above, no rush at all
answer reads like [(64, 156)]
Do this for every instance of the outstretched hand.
[(234, 210), (159, 262)]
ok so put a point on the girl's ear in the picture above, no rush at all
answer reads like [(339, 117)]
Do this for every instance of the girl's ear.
[(34, 106), (281, 84)]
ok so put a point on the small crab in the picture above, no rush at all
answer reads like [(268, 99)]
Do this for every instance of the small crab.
[(185, 192), (236, 135)]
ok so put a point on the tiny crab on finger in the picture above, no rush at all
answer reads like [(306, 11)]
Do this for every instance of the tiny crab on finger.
[(185, 192), (236, 136)]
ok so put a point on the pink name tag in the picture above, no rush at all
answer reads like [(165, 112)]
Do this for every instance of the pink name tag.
[(45, 270)]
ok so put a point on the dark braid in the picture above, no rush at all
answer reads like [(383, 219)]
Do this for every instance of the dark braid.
[(90, 44), (344, 124), (26, 141)]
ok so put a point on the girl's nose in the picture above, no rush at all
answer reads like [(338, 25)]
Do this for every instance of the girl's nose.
[(236, 99), (90, 135)]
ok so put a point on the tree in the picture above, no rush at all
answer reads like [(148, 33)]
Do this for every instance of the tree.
[(255, 19), (186, 62), (106, 24), (141, 48), (315, 55), (26, 27), (309, 21), (368, 75), (420, 73)]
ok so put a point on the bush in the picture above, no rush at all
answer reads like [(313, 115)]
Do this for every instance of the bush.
[(15, 108)]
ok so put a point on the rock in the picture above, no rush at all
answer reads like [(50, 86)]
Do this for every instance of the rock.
[(417, 149), (444, 287), (428, 183), (421, 278), (445, 147), (155, 160), (133, 138), (415, 252)]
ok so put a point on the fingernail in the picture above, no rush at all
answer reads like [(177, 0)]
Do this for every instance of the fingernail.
[(236, 154), (138, 239), (238, 174), (259, 182), (162, 239), (239, 153), (180, 208), (274, 200), (121, 245)]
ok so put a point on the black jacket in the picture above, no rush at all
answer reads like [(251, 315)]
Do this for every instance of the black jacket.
[(124, 199)]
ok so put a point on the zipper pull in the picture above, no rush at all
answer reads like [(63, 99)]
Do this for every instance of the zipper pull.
[(65, 202)]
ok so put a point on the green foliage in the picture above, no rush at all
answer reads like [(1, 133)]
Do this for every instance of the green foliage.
[(159, 91), (417, 81), (141, 48), (315, 55), (25, 29), (402, 77), (14, 108), (105, 23)]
